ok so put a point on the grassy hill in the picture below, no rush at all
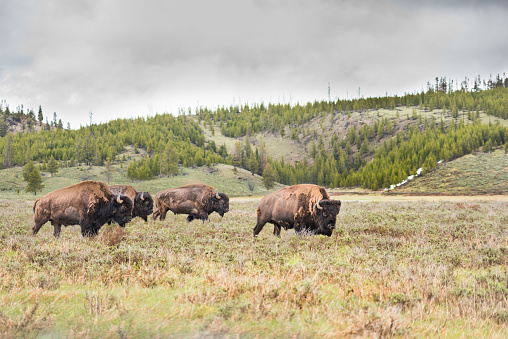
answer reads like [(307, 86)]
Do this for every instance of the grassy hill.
[(223, 178), (372, 142), (472, 174), (277, 146)]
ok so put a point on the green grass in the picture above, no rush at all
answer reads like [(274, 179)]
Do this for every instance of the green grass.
[(481, 173), (414, 268), (223, 178)]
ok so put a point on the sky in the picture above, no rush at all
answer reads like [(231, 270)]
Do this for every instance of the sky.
[(123, 58)]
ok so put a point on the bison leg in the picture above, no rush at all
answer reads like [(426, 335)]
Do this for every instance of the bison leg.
[(163, 212), (156, 214), (276, 229), (56, 228), (88, 230)]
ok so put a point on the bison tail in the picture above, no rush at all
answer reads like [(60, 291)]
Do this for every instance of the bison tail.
[(35, 204)]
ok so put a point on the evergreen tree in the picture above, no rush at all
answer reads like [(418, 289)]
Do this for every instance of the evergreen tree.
[(487, 147), (3, 127), (169, 161), (223, 151), (40, 117), (109, 169), (132, 170), (52, 166), (269, 177), (8, 152), (32, 176)]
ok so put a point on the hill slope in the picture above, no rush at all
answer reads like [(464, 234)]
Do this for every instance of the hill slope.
[(373, 142), (224, 178), (472, 174)]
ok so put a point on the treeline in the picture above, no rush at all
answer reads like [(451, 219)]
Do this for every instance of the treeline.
[(26, 118), (167, 140), (490, 96)]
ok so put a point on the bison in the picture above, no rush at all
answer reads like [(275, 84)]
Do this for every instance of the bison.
[(302, 207), (89, 204), (143, 201), (196, 200)]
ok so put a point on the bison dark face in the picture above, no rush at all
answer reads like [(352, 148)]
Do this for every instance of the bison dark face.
[(220, 203), (121, 209), (143, 205), (326, 214)]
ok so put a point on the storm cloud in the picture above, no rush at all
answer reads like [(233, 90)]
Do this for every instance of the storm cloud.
[(128, 59)]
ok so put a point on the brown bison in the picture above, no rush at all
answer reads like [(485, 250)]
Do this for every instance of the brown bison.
[(143, 201), (196, 200), (89, 204), (302, 207)]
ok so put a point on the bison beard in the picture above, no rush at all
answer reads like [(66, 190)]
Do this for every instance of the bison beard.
[(306, 208), (89, 204), (196, 200)]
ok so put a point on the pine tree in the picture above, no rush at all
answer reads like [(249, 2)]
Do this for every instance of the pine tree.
[(40, 117), (52, 166), (109, 169), (269, 177), (8, 152), (131, 170), (32, 176), (3, 127), (169, 161)]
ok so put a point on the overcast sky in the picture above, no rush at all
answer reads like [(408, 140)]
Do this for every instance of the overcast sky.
[(119, 58)]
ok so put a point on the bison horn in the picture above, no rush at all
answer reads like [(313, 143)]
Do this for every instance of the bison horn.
[(118, 200), (217, 195), (318, 206), (142, 196)]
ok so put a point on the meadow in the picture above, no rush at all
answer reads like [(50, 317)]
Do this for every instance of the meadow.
[(394, 267)]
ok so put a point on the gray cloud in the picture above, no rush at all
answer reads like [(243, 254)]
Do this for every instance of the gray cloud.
[(118, 58)]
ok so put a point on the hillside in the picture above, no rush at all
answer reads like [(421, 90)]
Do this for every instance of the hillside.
[(372, 143), (472, 174), (223, 178), (277, 146)]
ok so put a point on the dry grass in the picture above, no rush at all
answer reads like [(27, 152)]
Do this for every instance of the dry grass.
[(481, 173), (392, 269)]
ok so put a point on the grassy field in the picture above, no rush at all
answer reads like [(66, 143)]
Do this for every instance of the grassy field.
[(394, 267)]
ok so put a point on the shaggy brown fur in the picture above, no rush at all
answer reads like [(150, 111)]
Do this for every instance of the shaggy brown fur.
[(296, 207), (89, 204), (196, 200)]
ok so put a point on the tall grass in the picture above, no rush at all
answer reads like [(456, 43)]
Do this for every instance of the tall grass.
[(420, 268)]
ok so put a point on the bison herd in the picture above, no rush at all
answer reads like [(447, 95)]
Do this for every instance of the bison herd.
[(91, 204)]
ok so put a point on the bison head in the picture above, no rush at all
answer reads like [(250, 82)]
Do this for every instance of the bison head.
[(326, 214), (143, 205), (220, 202), (121, 209)]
